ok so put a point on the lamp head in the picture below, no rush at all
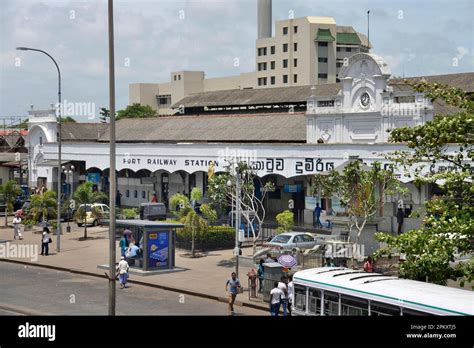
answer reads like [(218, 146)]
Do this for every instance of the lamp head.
[(22, 48)]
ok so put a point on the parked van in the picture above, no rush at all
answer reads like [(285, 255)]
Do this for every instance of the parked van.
[(152, 211)]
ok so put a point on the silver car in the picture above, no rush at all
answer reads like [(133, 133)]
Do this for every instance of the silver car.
[(292, 240)]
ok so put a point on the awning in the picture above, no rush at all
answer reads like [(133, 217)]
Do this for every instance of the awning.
[(348, 38), (324, 35)]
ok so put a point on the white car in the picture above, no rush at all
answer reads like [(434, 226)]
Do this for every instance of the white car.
[(90, 219), (292, 240)]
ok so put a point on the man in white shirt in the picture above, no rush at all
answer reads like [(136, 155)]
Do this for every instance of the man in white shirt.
[(291, 290), (275, 300), (284, 296), (17, 227), (122, 269)]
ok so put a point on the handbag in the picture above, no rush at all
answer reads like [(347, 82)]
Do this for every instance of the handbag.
[(50, 240)]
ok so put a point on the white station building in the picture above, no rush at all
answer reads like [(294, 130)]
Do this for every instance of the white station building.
[(287, 134)]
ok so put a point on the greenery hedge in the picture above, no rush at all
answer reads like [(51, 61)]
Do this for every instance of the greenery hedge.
[(213, 235)]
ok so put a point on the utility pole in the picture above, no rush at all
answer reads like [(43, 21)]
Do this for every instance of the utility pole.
[(237, 218), (368, 29), (113, 189)]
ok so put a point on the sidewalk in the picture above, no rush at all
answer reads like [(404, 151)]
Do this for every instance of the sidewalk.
[(204, 276)]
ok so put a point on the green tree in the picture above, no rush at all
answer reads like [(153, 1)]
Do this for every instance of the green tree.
[(209, 213), (104, 115), (360, 190), (286, 221), (222, 193), (42, 204), (448, 225), (85, 196), (136, 111), (9, 191), (68, 119), (188, 216)]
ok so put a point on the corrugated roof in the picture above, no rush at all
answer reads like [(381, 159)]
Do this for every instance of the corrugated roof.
[(255, 128), (348, 38), (82, 131), (261, 96)]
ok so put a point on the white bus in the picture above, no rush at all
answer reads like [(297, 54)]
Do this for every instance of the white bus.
[(343, 291)]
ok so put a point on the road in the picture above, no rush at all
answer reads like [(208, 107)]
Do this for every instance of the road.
[(51, 292)]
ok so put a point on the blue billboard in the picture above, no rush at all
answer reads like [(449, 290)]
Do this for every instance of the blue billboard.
[(158, 250)]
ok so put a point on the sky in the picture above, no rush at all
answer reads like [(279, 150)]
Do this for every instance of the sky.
[(155, 37)]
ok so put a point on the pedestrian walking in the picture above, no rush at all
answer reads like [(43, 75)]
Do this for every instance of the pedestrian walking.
[(17, 227), (291, 291), (275, 300), (317, 216), (284, 295), (123, 244), (45, 240), (122, 270), (233, 287)]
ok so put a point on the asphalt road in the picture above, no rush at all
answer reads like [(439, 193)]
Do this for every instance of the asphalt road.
[(51, 292)]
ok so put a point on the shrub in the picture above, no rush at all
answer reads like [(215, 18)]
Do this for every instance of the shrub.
[(213, 234), (129, 213), (209, 213), (285, 221)]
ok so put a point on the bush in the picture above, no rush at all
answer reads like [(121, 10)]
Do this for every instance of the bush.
[(209, 213), (129, 213), (285, 221), (212, 235)]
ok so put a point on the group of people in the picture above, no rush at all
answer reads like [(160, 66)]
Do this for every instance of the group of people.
[(282, 296)]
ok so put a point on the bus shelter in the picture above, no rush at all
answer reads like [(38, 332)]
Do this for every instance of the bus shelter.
[(153, 243)]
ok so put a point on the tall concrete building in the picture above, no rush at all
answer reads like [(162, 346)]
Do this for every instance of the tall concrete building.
[(303, 51)]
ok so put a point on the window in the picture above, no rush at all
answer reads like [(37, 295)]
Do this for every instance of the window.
[(300, 298), (314, 302), (285, 63), (338, 65), (272, 65), (322, 60), (41, 140), (262, 51), (127, 193), (272, 80), (262, 66), (338, 49), (307, 238), (383, 309), (295, 29), (323, 76), (179, 77), (285, 47), (285, 30), (285, 78), (272, 49), (295, 62), (354, 306), (135, 194), (262, 81), (143, 194), (164, 99), (295, 78), (331, 303), (348, 49), (295, 46), (407, 311), (175, 78), (322, 44)]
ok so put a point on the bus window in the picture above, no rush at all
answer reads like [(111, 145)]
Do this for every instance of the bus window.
[(383, 309), (331, 303), (314, 305), (407, 311), (300, 298), (354, 306)]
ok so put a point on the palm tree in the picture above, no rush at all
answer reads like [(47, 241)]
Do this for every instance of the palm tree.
[(85, 196), (43, 204), (10, 190)]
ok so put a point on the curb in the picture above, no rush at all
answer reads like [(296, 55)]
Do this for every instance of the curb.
[(139, 282)]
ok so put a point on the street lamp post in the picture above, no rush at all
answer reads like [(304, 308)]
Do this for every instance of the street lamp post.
[(69, 174), (58, 112), (237, 217)]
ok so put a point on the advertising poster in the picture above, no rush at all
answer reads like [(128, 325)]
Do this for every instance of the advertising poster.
[(158, 249)]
